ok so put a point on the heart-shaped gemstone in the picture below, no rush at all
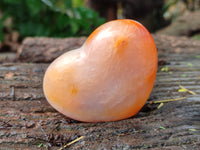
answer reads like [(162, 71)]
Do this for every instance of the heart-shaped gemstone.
[(109, 78)]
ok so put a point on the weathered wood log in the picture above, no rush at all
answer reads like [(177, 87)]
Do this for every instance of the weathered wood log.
[(186, 25), (27, 121), (46, 49)]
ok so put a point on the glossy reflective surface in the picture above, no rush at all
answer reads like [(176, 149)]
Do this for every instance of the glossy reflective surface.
[(109, 78)]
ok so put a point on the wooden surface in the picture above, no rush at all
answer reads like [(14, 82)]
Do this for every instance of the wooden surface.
[(27, 121)]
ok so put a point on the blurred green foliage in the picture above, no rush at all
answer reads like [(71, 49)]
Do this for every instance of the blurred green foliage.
[(55, 18)]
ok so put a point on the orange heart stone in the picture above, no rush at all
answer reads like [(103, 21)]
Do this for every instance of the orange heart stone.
[(109, 78)]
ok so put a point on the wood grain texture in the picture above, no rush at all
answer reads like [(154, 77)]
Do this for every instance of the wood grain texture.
[(27, 120)]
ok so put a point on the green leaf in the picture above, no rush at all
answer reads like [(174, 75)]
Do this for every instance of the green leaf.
[(62, 21), (170, 72), (183, 75), (56, 18), (33, 29), (182, 90), (34, 6), (165, 69), (67, 3), (40, 145), (162, 127), (74, 26), (77, 3), (12, 1), (192, 130), (76, 14), (100, 21), (190, 64)]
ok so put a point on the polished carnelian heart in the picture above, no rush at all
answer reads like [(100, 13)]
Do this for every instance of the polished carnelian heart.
[(109, 78)]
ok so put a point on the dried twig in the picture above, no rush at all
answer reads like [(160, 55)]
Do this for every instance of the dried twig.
[(161, 105), (189, 91), (13, 93), (168, 100), (72, 142)]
